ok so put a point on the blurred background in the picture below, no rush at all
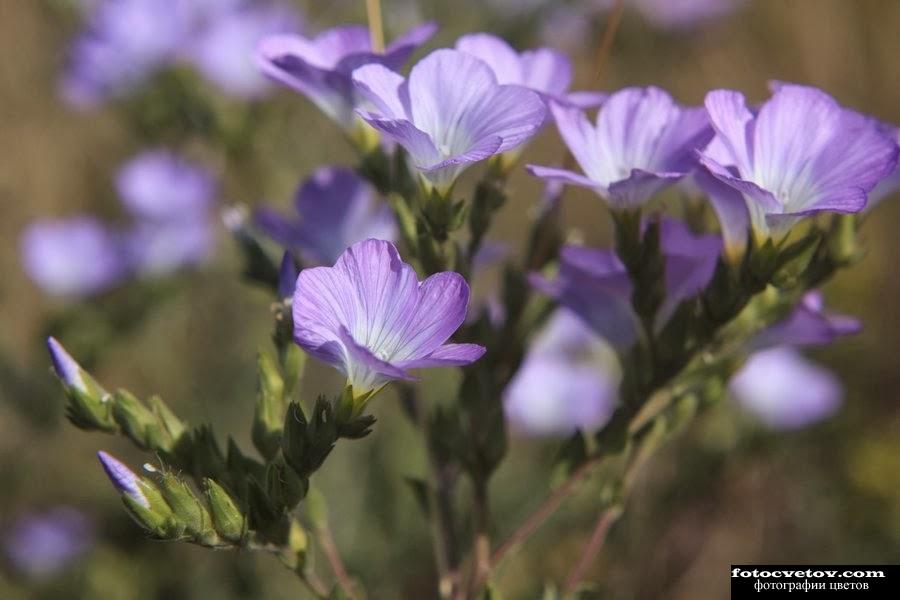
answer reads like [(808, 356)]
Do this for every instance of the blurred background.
[(729, 491)]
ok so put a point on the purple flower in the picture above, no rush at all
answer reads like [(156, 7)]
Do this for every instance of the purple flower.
[(74, 257), (123, 478), (684, 14), (784, 390), (124, 43), (641, 143), (544, 70), (41, 544), (171, 200), (320, 68), (370, 317), (158, 185), (287, 276), (336, 209), (891, 183), (564, 382), (808, 325), (594, 283), (67, 369), (800, 154), (443, 125), (223, 50)]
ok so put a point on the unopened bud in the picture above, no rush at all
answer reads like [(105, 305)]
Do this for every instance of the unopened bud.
[(287, 277), (186, 507), (88, 406), (136, 421), (268, 416), (227, 519), (142, 500)]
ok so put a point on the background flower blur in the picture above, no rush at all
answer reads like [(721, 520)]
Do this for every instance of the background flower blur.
[(104, 104)]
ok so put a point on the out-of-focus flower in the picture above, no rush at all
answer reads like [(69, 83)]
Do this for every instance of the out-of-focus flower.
[(808, 325), (594, 283), (123, 478), (74, 257), (685, 14), (320, 68), (370, 317), (336, 209), (801, 154), (565, 382), (784, 390), (223, 49), (41, 544), (641, 143), (544, 70), (124, 43), (171, 200), (445, 126)]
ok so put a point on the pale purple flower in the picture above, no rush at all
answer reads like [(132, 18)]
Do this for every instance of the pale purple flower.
[(808, 325), (223, 50), (123, 478), (446, 126), (685, 14), (40, 544), (594, 283), (544, 70), (74, 257), (171, 200), (320, 68), (784, 390), (124, 43), (371, 318), (800, 154), (336, 209), (890, 184), (642, 142), (158, 185), (565, 381)]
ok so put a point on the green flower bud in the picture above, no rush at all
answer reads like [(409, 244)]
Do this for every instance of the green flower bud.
[(268, 416), (136, 421), (186, 507), (89, 407), (226, 516)]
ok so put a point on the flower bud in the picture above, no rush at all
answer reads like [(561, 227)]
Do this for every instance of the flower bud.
[(268, 417), (136, 421), (142, 500), (226, 517), (287, 277), (187, 509), (89, 406)]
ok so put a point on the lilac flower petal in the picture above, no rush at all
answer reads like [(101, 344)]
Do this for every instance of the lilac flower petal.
[(122, 478), (734, 124), (381, 86), (786, 391), (502, 59), (808, 325), (162, 186), (448, 355), (67, 369), (583, 100), (640, 185), (758, 195), (731, 211), (417, 143), (370, 317), (563, 176), (400, 50), (547, 71)]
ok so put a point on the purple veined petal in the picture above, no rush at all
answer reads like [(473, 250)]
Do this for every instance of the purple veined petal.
[(123, 478), (761, 199), (161, 186), (381, 86), (40, 544), (67, 369), (731, 210), (73, 258), (638, 186), (502, 59), (223, 49), (419, 145), (448, 355), (734, 125), (552, 396), (786, 391), (564, 176), (548, 71), (581, 140), (369, 315), (676, 150)]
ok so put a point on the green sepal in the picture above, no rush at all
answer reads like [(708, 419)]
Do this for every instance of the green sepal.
[(136, 421), (226, 516)]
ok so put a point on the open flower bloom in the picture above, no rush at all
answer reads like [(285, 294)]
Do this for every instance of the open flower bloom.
[(336, 209), (320, 68), (39, 544), (642, 142), (594, 283), (370, 317), (565, 382), (808, 325), (443, 125), (75, 257), (784, 390), (800, 154), (544, 70)]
